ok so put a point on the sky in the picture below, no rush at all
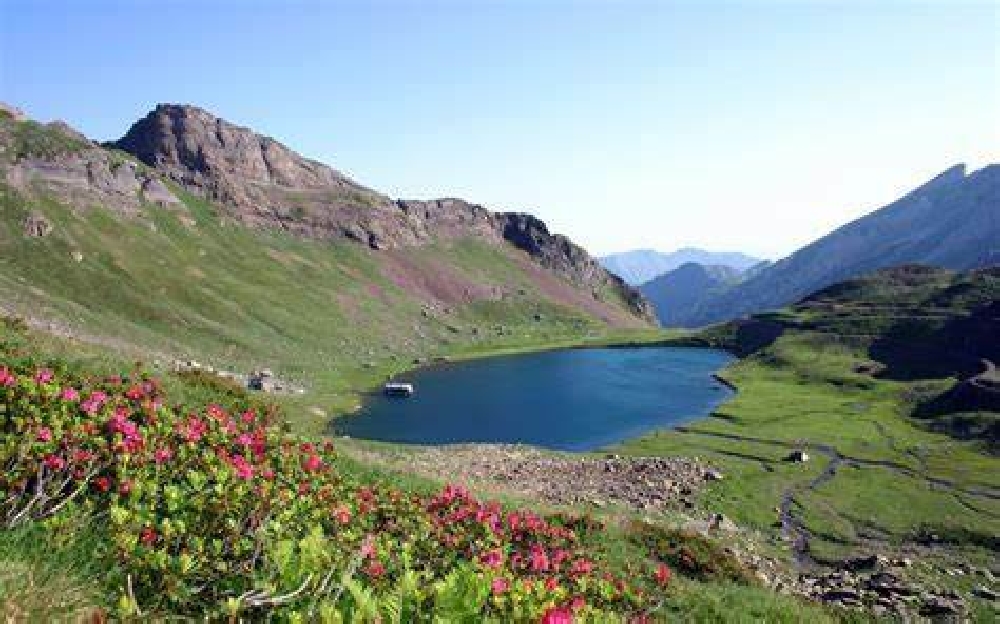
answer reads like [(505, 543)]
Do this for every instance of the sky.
[(755, 126)]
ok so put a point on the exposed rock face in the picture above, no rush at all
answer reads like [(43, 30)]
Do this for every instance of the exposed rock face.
[(13, 112), (265, 184)]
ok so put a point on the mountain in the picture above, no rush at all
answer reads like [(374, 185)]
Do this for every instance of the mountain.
[(952, 221), (192, 236), (641, 265), (676, 295)]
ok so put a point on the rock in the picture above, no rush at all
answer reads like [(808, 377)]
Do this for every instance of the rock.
[(870, 562), (936, 606), (985, 593), (77, 256), (843, 594), (156, 192), (797, 456), (713, 475), (36, 225), (13, 112)]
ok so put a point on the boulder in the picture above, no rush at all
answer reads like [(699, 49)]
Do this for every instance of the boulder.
[(36, 225)]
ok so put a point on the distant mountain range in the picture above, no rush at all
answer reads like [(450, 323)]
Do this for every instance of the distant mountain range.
[(952, 221), (641, 265), (679, 293)]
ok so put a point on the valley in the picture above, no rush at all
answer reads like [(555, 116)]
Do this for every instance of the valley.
[(863, 427)]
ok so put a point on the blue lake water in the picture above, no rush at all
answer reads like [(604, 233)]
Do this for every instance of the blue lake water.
[(577, 399)]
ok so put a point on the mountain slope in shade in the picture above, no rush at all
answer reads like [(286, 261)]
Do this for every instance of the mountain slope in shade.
[(953, 221), (676, 295), (641, 265)]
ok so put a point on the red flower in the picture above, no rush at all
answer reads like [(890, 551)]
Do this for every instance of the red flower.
[(125, 487), (557, 615), (7, 378), (662, 574), (54, 462), (551, 584), (103, 484), (147, 536)]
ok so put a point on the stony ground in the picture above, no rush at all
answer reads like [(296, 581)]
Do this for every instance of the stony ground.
[(636, 483)]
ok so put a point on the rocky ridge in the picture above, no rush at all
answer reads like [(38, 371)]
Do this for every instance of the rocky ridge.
[(258, 182), (263, 183)]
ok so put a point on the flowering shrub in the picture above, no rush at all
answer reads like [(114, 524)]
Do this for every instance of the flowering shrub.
[(217, 511)]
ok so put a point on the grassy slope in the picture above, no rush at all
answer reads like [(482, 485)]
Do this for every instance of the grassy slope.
[(324, 314), (896, 481)]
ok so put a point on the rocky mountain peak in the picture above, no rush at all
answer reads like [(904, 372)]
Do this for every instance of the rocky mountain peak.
[(191, 143)]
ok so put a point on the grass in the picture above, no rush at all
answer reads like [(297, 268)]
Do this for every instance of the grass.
[(45, 579)]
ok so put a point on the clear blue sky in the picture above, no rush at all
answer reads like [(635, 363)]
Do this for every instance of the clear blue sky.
[(753, 126)]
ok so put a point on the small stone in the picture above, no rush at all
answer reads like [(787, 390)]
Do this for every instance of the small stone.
[(77, 256), (713, 475), (36, 225), (985, 593)]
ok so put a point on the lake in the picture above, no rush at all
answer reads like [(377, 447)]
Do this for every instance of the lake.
[(575, 399)]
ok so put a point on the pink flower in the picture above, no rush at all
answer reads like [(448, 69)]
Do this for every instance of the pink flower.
[(551, 584), (342, 514), (500, 585), (492, 559), (162, 455), (582, 566), (244, 439), (557, 615), (54, 462), (43, 376), (147, 536), (312, 463), (243, 469), (539, 559), (577, 603), (375, 569), (248, 416), (70, 395), (368, 547), (44, 435), (7, 378)]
